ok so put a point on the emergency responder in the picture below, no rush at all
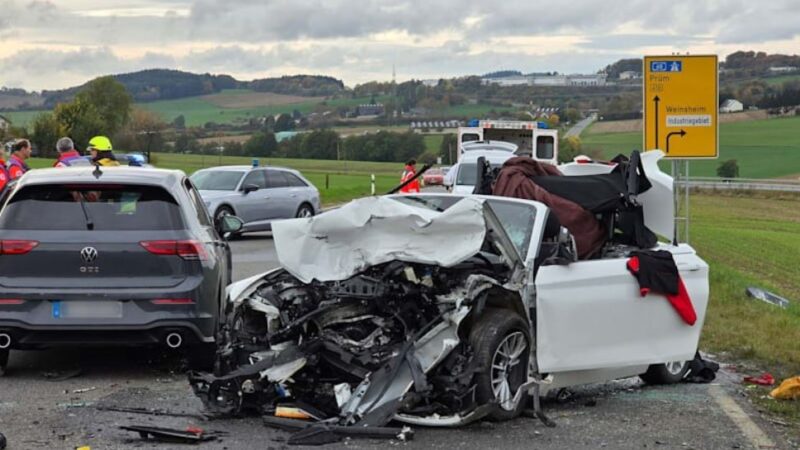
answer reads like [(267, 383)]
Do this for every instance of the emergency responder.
[(101, 151), (408, 173), (4, 177), (67, 155), (20, 151)]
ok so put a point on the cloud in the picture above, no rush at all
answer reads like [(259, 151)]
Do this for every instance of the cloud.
[(58, 41)]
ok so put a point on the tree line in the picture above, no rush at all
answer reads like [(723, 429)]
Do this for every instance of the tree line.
[(317, 144)]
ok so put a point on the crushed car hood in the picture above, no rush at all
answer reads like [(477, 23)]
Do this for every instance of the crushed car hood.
[(374, 230)]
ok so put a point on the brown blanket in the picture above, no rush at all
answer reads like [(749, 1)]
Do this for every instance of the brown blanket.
[(515, 181)]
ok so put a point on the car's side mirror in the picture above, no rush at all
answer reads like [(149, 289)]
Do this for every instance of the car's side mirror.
[(248, 188), (229, 225)]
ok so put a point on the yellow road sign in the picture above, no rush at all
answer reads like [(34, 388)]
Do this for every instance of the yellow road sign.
[(681, 104)]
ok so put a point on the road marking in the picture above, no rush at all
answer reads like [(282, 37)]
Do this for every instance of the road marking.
[(749, 428)]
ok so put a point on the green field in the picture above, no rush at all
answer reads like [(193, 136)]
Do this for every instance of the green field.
[(764, 148), (752, 241), (197, 111), (21, 118)]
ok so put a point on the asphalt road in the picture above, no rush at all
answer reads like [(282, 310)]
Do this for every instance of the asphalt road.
[(38, 411), (578, 128)]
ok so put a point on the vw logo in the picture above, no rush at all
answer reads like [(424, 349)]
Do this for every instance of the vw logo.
[(88, 254)]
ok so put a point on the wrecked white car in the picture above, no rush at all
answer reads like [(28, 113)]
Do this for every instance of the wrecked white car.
[(439, 310)]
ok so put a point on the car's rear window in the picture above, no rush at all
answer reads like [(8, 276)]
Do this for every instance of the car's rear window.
[(91, 207)]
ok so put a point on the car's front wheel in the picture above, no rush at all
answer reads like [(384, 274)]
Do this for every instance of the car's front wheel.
[(305, 210), (501, 342), (667, 373)]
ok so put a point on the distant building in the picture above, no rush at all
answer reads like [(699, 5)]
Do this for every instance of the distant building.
[(630, 75), (517, 80), (550, 80), (587, 80), (4, 123), (373, 109), (783, 69), (731, 105), (283, 135), (430, 83)]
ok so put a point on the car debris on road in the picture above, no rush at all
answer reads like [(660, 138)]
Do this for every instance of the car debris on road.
[(191, 435)]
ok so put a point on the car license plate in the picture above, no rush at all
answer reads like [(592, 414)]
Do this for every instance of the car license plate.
[(79, 309)]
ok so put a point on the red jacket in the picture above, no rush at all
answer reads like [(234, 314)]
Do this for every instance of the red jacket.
[(65, 159), (16, 167), (4, 177), (413, 187)]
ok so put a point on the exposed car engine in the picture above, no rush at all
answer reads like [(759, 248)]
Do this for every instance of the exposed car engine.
[(333, 350)]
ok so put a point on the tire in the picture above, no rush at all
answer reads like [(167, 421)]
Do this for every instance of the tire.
[(668, 373), (4, 361), (305, 210), (498, 335), (201, 357)]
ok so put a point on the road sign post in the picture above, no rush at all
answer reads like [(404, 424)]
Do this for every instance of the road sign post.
[(681, 104)]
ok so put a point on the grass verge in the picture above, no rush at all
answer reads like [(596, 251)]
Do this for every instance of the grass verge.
[(752, 241)]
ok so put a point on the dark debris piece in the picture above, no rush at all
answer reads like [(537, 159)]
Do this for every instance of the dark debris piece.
[(319, 433), (190, 435)]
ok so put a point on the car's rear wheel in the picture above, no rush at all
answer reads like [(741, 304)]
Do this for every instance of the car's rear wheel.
[(667, 373), (501, 343), (305, 210), (4, 360)]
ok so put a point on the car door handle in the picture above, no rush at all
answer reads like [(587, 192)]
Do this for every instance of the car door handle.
[(689, 267)]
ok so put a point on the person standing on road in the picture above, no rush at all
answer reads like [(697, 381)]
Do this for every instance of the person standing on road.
[(4, 177), (101, 151), (408, 173), (20, 151), (67, 155)]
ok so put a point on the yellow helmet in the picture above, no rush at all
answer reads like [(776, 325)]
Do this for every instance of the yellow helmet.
[(100, 143)]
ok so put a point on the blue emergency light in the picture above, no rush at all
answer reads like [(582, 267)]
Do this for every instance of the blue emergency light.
[(474, 123), (542, 125)]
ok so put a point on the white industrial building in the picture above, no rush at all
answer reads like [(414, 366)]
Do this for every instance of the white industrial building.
[(731, 105)]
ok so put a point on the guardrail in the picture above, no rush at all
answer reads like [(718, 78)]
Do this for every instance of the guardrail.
[(745, 184)]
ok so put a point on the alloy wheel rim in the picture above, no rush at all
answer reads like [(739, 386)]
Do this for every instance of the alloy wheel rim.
[(674, 367), (506, 359)]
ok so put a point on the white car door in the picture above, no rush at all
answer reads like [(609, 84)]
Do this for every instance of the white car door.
[(590, 315)]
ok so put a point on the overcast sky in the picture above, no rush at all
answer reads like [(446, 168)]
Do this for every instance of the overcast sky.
[(60, 43)]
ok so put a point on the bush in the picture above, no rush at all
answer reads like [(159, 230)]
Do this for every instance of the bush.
[(728, 169)]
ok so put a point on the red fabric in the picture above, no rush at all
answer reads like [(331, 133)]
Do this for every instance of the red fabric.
[(766, 379), (413, 187), (515, 181), (681, 302)]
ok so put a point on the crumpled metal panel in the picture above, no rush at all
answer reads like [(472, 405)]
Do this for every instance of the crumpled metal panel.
[(366, 232)]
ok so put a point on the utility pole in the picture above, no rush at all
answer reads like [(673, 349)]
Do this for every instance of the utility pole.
[(221, 149)]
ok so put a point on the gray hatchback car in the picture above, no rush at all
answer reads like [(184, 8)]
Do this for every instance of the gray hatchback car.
[(257, 195), (124, 256)]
